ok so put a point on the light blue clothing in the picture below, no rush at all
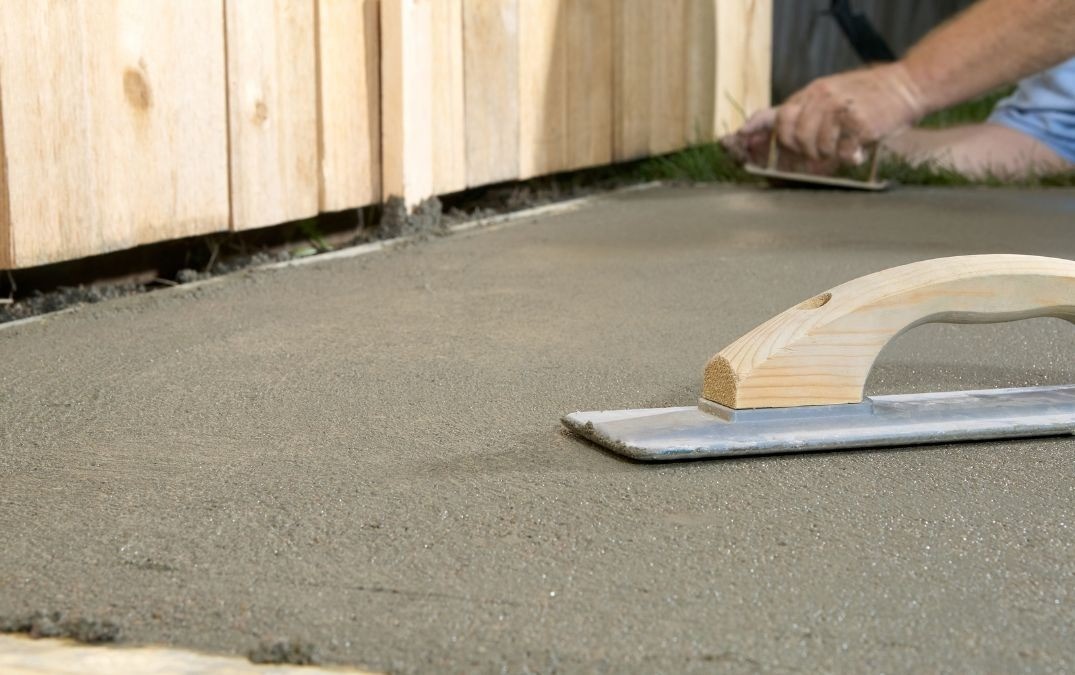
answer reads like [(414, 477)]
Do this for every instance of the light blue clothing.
[(1043, 106)]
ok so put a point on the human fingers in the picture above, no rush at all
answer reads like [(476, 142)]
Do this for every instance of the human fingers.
[(828, 136), (849, 150), (787, 119), (809, 127), (760, 121)]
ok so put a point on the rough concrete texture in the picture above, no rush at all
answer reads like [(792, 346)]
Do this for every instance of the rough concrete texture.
[(365, 455)]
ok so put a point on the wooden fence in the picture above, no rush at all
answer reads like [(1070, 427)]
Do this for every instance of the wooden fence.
[(125, 122)]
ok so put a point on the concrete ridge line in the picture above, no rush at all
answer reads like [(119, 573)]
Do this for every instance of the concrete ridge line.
[(487, 224), (499, 219), (51, 656)]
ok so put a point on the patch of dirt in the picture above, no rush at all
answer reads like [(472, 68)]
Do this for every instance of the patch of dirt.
[(63, 297), (59, 625), (424, 220), (285, 651), (234, 264)]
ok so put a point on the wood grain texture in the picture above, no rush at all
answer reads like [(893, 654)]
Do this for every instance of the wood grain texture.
[(401, 131), (543, 64), (123, 140), (491, 83), (631, 84), (349, 113), (821, 351), (448, 111), (565, 85), (589, 28), (423, 142), (7, 254), (668, 75), (744, 60), (701, 86), (272, 111), (650, 78)]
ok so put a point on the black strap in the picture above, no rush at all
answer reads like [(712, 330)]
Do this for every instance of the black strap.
[(864, 39)]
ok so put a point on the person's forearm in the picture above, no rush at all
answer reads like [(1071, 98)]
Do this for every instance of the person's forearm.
[(992, 43)]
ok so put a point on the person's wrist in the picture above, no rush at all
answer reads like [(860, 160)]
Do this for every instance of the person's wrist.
[(910, 91)]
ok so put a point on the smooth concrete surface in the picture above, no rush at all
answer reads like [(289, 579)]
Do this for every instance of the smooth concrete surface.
[(366, 454)]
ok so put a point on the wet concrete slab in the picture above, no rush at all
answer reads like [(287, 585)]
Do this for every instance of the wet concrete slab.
[(366, 454)]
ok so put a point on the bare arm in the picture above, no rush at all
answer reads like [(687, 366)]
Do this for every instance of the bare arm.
[(993, 42)]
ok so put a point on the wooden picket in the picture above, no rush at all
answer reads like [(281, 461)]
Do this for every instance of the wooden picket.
[(160, 119), (272, 111), (743, 60), (114, 125), (422, 99), (349, 83), (491, 86), (589, 82)]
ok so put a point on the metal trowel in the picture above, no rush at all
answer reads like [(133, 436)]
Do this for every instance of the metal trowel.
[(778, 176), (796, 382)]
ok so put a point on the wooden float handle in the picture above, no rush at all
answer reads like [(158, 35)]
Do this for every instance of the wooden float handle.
[(821, 351)]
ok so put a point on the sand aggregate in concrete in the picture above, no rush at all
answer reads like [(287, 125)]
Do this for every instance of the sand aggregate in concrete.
[(364, 455)]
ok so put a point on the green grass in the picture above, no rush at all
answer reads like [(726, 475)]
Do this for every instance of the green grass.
[(969, 112), (709, 163)]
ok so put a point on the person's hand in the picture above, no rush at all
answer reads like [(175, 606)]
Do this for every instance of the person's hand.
[(750, 145), (834, 117)]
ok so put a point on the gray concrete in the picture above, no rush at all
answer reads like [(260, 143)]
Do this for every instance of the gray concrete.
[(366, 454)]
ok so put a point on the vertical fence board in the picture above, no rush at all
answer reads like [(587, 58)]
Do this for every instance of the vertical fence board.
[(632, 59), (491, 84), (7, 254), (448, 109), (668, 73), (349, 136), (406, 126), (701, 70), (119, 140), (744, 60), (543, 64), (423, 143), (588, 24), (165, 119), (272, 110), (650, 79), (49, 145)]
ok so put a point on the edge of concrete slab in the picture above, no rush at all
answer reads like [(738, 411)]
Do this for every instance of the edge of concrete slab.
[(28, 656), (487, 224)]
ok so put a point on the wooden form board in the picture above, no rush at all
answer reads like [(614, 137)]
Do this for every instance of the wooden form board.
[(168, 119), (701, 71), (650, 79), (744, 30), (114, 126), (348, 67), (589, 27), (272, 111), (565, 85), (542, 76), (422, 106), (7, 252), (469, 99), (491, 89), (687, 71)]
